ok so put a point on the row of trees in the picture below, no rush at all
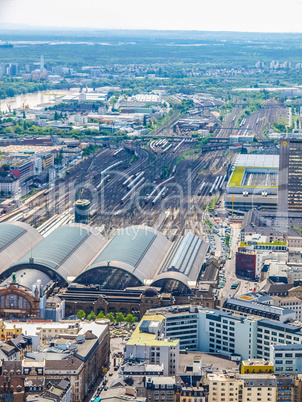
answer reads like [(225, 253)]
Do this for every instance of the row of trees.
[(10, 87), (118, 317)]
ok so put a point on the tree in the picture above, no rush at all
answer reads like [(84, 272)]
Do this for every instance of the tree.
[(6, 167), (110, 317), (100, 315), (91, 316), (56, 116), (119, 317), (81, 314), (130, 319)]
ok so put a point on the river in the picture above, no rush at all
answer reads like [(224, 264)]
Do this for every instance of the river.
[(35, 99)]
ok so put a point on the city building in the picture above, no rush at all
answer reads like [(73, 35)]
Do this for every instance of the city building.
[(55, 390), (195, 394), (286, 358), (223, 387), (290, 176), (148, 345), (246, 306), (23, 170), (47, 160), (221, 332), (161, 388), (81, 208), (9, 183), (256, 366), (253, 183), (77, 350)]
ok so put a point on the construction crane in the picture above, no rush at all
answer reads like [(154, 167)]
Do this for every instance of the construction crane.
[(233, 205), (25, 107)]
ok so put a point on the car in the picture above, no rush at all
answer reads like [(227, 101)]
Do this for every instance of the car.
[(105, 388), (116, 368), (110, 374)]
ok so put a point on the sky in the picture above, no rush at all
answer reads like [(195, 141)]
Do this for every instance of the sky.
[(203, 15)]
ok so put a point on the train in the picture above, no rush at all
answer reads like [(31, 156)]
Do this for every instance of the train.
[(218, 183), (107, 177), (128, 180), (161, 194), (133, 189), (111, 167), (200, 188), (118, 151), (132, 183)]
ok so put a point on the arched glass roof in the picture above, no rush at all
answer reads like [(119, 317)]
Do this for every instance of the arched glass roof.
[(9, 233), (138, 250), (128, 246), (64, 254), (56, 247), (16, 239)]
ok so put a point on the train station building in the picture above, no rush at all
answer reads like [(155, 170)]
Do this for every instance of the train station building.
[(138, 261)]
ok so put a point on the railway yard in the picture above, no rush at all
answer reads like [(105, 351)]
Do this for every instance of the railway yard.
[(133, 186), (165, 183)]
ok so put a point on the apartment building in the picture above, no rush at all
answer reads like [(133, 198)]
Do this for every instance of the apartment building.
[(193, 394), (225, 388), (259, 388), (9, 183), (158, 388), (231, 387)]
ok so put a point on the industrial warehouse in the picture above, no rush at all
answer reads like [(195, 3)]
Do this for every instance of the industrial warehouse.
[(133, 258)]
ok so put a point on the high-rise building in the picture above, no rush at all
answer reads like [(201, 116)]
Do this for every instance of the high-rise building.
[(290, 176), (82, 211)]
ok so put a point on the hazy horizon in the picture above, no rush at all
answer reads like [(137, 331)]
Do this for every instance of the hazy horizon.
[(270, 16)]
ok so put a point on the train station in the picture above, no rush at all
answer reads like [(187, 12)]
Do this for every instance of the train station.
[(136, 257)]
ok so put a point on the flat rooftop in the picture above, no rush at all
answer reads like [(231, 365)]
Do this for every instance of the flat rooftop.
[(254, 177), (257, 160), (145, 338), (214, 361)]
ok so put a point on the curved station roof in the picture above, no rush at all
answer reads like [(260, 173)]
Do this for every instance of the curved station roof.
[(134, 256), (61, 255), (16, 239)]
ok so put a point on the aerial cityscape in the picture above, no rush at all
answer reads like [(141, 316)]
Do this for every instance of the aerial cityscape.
[(150, 204)]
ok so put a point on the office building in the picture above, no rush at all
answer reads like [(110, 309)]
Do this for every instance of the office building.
[(245, 306), (148, 344), (81, 211), (286, 358), (290, 176), (215, 331), (23, 170)]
